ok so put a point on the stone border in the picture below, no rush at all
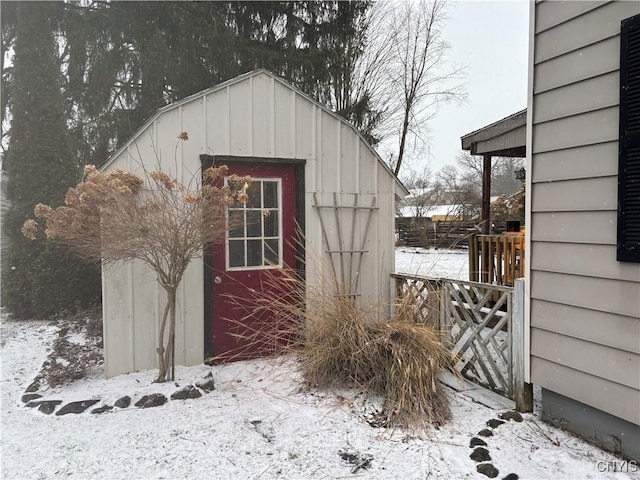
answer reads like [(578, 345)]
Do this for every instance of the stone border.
[(32, 399), (481, 454)]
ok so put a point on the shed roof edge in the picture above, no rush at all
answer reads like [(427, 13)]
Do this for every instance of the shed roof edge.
[(232, 81)]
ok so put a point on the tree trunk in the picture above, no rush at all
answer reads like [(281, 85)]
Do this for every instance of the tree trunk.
[(169, 356), (162, 372)]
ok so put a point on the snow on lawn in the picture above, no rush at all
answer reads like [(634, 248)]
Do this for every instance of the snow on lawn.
[(452, 264), (259, 422)]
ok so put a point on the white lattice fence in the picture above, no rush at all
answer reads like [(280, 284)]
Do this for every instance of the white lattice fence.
[(478, 319), (475, 317)]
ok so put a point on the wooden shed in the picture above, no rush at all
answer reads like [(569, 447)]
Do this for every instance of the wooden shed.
[(583, 217), (309, 168)]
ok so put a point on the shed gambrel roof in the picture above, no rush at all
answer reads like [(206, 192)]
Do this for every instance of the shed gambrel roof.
[(240, 79)]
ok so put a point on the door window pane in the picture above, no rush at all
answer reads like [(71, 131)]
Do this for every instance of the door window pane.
[(271, 221), (271, 253), (254, 253), (236, 224), (254, 223), (254, 194), (270, 194), (236, 253)]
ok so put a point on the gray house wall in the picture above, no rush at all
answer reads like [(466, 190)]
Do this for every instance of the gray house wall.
[(584, 308)]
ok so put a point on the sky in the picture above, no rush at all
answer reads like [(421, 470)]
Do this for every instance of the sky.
[(491, 40)]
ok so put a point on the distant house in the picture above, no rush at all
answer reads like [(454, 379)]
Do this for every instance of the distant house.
[(583, 213), (310, 169)]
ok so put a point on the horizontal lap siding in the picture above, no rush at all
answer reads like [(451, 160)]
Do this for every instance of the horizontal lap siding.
[(610, 397), (589, 260), (585, 306), (617, 331), (576, 162)]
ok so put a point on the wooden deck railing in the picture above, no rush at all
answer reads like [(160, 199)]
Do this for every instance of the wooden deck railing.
[(496, 259)]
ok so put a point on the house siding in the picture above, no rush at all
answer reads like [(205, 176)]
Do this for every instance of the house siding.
[(254, 116), (584, 309)]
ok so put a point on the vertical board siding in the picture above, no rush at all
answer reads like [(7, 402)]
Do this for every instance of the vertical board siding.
[(348, 160), (304, 138), (584, 307), (240, 124), (218, 124), (262, 117), (283, 123), (329, 160), (193, 122)]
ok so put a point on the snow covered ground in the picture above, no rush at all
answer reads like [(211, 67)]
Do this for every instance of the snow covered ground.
[(259, 423), (452, 264)]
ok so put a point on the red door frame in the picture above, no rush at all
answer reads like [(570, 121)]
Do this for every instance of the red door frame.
[(299, 209)]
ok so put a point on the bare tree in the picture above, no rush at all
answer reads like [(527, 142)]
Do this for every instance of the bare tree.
[(503, 177), (419, 77), (118, 216)]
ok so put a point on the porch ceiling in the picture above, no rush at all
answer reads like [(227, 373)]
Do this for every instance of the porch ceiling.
[(504, 138)]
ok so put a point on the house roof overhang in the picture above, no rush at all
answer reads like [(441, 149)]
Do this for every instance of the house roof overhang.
[(504, 138)]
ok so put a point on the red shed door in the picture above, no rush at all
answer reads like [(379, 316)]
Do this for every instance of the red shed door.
[(248, 267)]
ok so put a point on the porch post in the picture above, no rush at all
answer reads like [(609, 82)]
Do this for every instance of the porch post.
[(486, 195)]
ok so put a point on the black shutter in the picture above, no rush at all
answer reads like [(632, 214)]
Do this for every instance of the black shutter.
[(629, 145)]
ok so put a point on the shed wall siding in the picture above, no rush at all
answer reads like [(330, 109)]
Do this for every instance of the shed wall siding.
[(584, 305), (262, 117)]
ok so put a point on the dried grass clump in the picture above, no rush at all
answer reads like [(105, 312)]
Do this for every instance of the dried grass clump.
[(342, 344), (397, 359)]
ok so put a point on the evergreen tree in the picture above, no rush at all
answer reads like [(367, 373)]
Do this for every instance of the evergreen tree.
[(39, 279)]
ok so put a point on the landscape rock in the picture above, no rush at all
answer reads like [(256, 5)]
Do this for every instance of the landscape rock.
[(76, 407), (47, 406), (34, 386), (30, 396), (358, 460), (494, 423), (186, 392), (511, 415), (485, 433), (511, 476), (477, 442), (206, 385), (488, 470), (153, 400), (123, 402), (480, 454), (102, 409)]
